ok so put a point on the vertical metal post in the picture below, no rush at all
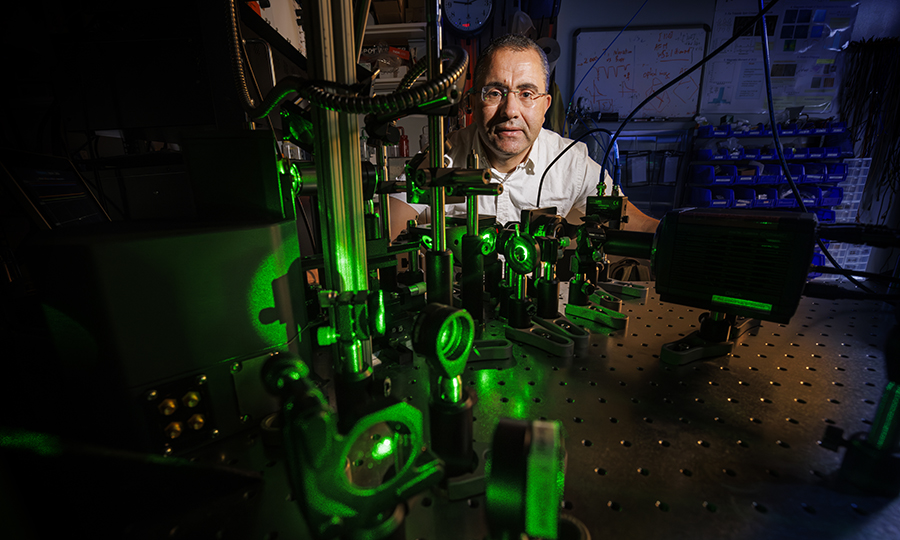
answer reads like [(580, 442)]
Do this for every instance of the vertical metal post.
[(439, 261), (472, 200), (332, 58), (383, 199), (436, 124)]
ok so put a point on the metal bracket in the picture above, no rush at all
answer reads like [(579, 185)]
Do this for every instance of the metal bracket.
[(692, 348)]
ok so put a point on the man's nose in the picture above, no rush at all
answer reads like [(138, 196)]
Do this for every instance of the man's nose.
[(510, 107)]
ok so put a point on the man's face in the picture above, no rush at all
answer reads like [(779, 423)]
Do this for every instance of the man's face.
[(509, 128)]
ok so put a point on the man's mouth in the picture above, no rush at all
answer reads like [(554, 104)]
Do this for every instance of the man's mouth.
[(507, 132)]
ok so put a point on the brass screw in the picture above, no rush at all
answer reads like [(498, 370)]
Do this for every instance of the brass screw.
[(174, 430), (201, 379), (191, 399), (151, 395), (196, 422), (235, 367), (168, 407)]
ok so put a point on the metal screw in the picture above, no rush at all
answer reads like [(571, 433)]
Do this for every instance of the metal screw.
[(201, 380), (151, 395), (235, 367)]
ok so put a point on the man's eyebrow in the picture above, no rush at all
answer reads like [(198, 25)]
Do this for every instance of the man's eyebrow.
[(523, 86)]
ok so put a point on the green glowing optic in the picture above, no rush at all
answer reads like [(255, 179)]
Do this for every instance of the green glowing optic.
[(521, 253), (488, 241), (449, 339), (383, 449), (758, 306), (427, 241), (884, 429), (380, 314)]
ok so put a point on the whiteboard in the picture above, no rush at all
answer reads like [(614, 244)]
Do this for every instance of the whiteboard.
[(638, 63)]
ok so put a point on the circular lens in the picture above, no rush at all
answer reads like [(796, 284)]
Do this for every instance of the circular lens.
[(378, 454)]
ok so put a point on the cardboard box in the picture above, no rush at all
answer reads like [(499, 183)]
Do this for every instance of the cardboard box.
[(388, 12)]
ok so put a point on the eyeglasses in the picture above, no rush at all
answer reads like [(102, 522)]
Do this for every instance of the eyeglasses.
[(493, 95)]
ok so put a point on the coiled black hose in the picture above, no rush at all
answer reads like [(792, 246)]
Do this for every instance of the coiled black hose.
[(315, 93)]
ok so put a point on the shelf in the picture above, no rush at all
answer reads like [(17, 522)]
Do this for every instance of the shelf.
[(393, 33)]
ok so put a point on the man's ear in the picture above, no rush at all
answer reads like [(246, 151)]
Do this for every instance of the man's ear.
[(548, 102)]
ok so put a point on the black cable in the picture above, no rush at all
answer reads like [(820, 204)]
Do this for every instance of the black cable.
[(309, 229), (780, 151), (582, 136), (571, 144)]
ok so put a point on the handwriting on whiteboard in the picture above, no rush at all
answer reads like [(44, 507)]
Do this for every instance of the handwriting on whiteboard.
[(617, 77)]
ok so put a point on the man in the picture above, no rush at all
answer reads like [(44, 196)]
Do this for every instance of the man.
[(509, 99)]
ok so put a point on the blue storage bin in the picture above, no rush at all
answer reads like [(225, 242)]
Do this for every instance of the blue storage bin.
[(812, 196), (816, 152), (807, 129), (751, 153), (719, 154), (837, 127), (832, 152), (765, 197), (785, 199), (771, 174), (799, 153), (714, 174), (832, 196), (815, 172), (744, 197), (825, 216), (757, 130), (836, 172), (714, 131), (712, 197), (771, 155), (788, 129), (797, 173), (746, 175)]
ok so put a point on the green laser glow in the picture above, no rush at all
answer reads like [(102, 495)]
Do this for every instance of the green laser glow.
[(380, 314), (488, 241), (758, 306), (260, 296), (885, 418), (39, 443), (383, 449), (521, 254)]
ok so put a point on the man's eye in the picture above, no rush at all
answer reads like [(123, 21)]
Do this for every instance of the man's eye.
[(494, 94), (527, 94)]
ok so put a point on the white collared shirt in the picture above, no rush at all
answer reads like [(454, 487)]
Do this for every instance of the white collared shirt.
[(567, 185)]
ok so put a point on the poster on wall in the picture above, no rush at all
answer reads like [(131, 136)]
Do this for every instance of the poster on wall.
[(806, 38)]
